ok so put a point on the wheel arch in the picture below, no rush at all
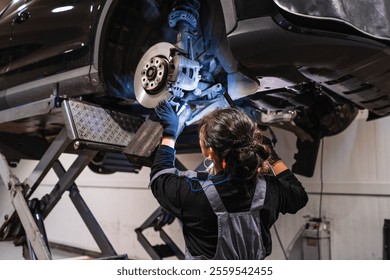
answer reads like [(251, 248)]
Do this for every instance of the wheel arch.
[(101, 30)]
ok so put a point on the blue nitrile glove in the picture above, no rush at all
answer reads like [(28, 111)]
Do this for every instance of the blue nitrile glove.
[(168, 119)]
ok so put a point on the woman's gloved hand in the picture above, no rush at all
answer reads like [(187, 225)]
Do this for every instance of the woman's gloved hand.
[(168, 119), (273, 158)]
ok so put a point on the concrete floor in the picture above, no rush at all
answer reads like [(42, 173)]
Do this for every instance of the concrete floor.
[(10, 252)]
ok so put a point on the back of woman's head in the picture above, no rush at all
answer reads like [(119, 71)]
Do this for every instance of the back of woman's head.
[(235, 139)]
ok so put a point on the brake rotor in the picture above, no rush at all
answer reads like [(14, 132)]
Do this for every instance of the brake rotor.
[(150, 79)]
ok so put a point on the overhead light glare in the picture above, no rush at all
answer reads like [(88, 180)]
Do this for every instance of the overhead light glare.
[(62, 9)]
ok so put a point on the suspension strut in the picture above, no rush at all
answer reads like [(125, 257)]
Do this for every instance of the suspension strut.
[(183, 68), (184, 19)]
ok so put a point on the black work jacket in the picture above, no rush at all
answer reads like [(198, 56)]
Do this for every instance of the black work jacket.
[(185, 199)]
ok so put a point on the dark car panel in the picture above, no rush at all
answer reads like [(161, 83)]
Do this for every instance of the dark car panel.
[(5, 33), (48, 37)]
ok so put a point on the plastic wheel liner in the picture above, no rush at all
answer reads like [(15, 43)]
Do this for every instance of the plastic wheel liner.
[(368, 16)]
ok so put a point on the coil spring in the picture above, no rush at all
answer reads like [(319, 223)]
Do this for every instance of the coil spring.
[(185, 10)]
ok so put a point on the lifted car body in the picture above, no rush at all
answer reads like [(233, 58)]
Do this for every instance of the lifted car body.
[(303, 66)]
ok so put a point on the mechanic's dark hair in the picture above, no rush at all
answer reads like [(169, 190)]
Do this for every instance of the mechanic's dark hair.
[(235, 139)]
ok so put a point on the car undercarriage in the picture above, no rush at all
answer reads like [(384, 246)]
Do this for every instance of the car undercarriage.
[(90, 86), (286, 68)]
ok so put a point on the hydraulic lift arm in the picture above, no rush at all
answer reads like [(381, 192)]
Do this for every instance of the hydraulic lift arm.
[(88, 129), (11, 190)]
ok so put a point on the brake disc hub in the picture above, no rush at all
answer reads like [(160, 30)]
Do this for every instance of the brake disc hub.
[(162, 72), (150, 79), (154, 74)]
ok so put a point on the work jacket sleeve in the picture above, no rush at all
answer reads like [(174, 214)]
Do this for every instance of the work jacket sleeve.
[(291, 193), (166, 186)]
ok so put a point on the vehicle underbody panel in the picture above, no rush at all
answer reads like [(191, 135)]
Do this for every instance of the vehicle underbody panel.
[(371, 17)]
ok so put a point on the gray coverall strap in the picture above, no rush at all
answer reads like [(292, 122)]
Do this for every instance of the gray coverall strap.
[(213, 197), (259, 195), (161, 172), (188, 173)]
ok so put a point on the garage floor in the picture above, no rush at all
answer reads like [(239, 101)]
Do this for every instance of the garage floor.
[(9, 252)]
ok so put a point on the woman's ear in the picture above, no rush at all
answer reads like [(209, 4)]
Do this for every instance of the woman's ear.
[(217, 163), (210, 152)]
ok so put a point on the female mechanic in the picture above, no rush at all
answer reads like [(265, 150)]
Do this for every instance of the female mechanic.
[(227, 214)]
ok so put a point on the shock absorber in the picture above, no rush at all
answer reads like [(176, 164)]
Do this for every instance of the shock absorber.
[(184, 19), (183, 68)]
